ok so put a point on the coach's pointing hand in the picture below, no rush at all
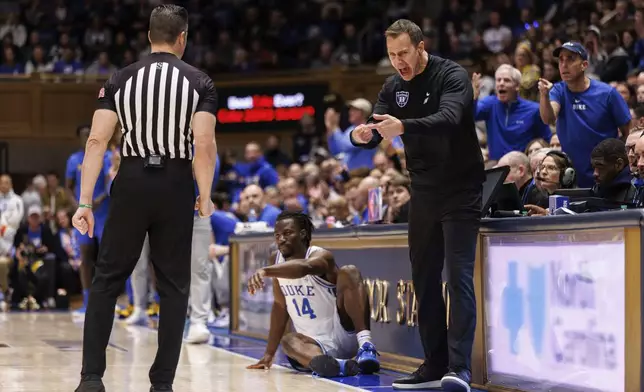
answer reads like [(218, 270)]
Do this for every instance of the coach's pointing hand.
[(83, 221), (362, 133), (389, 126)]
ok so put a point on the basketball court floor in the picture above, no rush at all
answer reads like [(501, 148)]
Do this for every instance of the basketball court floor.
[(42, 352)]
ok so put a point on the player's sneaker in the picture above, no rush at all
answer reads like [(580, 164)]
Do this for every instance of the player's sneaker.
[(138, 317), (222, 320), (326, 366), (197, 334), (153, 310), (124, 312), (456, 381), (33, 304), (367, 359), (3, 304)]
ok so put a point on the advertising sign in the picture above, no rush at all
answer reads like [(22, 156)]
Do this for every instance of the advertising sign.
[(262, 108), (555, 311)]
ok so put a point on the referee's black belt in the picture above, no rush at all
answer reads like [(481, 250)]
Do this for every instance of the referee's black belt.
[(155, 161)]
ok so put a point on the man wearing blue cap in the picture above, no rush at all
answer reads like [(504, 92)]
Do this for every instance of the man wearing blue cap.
[(586, 111)]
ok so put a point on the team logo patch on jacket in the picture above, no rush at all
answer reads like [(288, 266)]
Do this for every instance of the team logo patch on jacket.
[(401, 98)]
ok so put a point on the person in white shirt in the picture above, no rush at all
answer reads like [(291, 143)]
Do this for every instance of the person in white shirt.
[(11, 214), (497, 37)]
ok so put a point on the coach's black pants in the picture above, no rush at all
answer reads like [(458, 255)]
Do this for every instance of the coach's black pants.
[(443, 229), (159, 202)]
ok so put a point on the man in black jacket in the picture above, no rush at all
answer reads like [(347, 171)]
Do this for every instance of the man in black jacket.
[(429, 103), (613, 179)]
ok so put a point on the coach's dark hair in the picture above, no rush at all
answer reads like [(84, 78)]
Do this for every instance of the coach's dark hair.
[(303, 222), (405, 26), (167, 22), (610, 150)]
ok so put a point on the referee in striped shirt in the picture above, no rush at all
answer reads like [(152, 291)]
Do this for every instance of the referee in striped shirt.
[(164, 107)]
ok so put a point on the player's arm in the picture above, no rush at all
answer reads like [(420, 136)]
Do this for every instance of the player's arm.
[(203, 127), (279, 320), (70, 173), (319, 263), (103, 123)]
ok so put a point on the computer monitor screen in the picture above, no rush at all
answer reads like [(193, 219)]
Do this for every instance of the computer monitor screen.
[(508, 198), (494, 179)]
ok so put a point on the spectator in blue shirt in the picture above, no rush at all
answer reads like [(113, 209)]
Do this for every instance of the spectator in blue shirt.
[(511, 121), (254, 171), (586, 111), (339, 141), (68, 65), (10, 65)]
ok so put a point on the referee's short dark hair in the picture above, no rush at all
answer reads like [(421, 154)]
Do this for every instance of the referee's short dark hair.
[(610, 150), (167, 22), (405, 26)]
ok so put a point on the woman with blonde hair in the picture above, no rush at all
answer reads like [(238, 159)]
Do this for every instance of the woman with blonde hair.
[(525, 61)]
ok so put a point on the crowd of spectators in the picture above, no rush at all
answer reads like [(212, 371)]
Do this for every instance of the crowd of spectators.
[(95, 37)]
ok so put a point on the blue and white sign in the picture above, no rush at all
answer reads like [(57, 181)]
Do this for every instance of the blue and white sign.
[(555, 312)]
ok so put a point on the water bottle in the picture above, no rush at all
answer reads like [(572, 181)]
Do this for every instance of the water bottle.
[(252, 215)]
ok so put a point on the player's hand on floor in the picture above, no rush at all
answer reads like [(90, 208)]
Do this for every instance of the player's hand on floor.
[(264, 363), (256, 282)]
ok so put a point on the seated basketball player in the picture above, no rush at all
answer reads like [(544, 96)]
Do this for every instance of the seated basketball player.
[(326, 304)]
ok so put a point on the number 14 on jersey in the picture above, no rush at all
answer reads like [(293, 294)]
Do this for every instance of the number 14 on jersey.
[(305, 309)]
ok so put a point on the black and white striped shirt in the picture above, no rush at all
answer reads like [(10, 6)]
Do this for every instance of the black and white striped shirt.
[(155, 99)]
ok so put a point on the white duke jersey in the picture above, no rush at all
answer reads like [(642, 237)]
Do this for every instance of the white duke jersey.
[(310, 301)]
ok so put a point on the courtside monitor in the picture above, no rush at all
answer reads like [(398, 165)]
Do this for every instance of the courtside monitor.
[(494, 179)]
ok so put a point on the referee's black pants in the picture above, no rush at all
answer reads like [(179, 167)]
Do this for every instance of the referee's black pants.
[(159, 202), (443, 230)]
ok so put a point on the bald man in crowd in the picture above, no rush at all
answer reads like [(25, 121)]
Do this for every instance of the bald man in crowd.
[(253, 205), (520, 174)]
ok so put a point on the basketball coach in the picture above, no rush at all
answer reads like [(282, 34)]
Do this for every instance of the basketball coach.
[(165, 107), (429, 103)]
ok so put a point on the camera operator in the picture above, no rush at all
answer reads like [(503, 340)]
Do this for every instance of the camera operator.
[(37, 253)]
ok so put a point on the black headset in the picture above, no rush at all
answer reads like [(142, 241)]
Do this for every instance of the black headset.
[(568, 175)]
